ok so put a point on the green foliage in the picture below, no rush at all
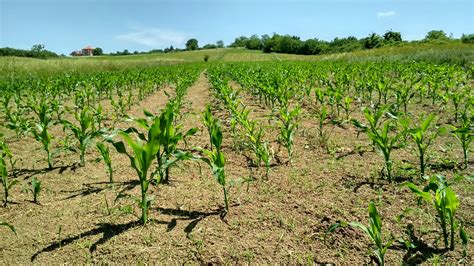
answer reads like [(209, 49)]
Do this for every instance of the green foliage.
[(373, 41), (37, 51), (215, 157), (392, 37), (467, 38), (143, 154), (288, 125), (41, 131), (380, 134), (423, 139), (5, 180), (84, 133), (445, 201), (192, 44), (169, 136), (97, 51), (35, 189), (436, 36), (464, 134), (105, 155), (374, 231)]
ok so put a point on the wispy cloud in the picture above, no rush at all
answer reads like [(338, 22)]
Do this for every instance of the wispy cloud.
[(384, 14), (153, 37)]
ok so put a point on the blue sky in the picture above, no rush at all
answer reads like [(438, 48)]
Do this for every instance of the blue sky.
[(66, 25)]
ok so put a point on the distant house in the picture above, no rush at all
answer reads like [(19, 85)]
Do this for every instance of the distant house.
[(87, 51)]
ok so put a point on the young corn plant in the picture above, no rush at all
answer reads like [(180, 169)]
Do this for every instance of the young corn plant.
[(209, 122), (169, 137), (380, 136), (144, 153), (84, 132), (423, 139), (7, 183), (323, 134), (35, 189), (41, 131), (288, 126), (373, 231), (105, 155), (347, 106), (6, 152), (445, 201), (215, 159), (465, 134)]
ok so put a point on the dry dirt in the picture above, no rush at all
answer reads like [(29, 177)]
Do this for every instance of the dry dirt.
[(280, 219)]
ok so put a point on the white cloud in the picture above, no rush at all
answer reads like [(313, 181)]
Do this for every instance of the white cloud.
[(153, 37), (384, 14)]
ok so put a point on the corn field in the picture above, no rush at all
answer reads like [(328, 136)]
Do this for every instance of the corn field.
[(265, 162)]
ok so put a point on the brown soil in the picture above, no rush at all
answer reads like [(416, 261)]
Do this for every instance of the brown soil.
[(281, 219)]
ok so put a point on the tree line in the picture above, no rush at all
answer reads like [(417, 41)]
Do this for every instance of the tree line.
[(292, 44), (37, 51), (276, 43)]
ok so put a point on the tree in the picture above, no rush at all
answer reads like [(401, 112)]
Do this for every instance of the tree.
[(254, 43), (169, 49), (436, 36), (239, 42), (209, 46), (392, 36), (97, 51), (220, 44), (467, 38), (192, 44), (37, 48), (373, 41)]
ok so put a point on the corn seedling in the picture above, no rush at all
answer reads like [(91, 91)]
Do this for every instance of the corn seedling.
[(380, 136), (41, 131), (105, 155), (7, 183), (423, 139), (35, 189), (6, 152), (144, 153), (373, 231), (169, 138), (464, 134), (323, 134), (446, 203), (288, 126), (84, 133), (215, 158)]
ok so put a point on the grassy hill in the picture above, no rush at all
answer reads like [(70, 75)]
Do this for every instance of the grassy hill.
[(462, 54)]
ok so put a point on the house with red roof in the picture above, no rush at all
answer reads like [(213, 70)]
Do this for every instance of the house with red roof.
[(87, 50)]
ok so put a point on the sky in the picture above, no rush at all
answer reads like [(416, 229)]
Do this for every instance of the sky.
[(141, 25)]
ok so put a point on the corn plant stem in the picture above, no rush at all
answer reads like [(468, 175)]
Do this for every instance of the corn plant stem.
[(225, 198), (452, 232), (144, 203), (50, 164), (465, 150), (5, 200), (443, 227)]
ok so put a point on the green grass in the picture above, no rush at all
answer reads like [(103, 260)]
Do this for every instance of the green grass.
[(454, 53)]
